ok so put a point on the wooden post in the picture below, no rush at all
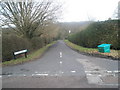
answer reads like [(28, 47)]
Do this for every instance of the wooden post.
[(14, 56), (25, 54)]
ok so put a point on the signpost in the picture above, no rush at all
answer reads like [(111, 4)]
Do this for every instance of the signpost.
[(20, 52)]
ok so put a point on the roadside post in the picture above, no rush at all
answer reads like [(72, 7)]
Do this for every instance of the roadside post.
[(20, 52)]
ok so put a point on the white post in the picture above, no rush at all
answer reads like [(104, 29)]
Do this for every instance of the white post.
[(69, 31)]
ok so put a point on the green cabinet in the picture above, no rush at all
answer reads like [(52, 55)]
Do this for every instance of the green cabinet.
[(104, 48)]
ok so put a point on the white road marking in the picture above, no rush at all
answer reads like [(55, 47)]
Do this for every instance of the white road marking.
[(116, 71), (73, 71), (24, 75), (42, 74), (0, 76), (9, 75), (95, 71), (36, 72), (100, 75), (39, 74), (60, 54), (110, 84), (89, 74), (60, 62), (109, 71)]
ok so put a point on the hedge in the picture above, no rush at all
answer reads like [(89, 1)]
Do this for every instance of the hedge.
[(98, 33)]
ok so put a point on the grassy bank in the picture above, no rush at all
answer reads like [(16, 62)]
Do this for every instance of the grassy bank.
[(94, 52), (32, 56)]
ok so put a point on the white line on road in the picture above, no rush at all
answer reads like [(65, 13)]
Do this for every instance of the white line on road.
[(36, 72), (116, 71), (110, 84), (60, 62), (89, 74), (60, 54), (109, 71), (40, 74), (73, 71), (9, 75), (24, 75)]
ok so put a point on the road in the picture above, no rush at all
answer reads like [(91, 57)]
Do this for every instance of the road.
[(62, 67)]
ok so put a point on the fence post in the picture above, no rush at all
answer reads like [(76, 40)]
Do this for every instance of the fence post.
[(14, 56), (25, 54)]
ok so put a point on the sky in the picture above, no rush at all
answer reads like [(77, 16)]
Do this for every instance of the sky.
[(84, 10)]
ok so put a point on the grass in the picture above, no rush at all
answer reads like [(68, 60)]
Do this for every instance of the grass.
[(93, 51), (32, 56)]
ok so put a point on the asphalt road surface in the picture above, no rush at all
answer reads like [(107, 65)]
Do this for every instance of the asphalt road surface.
[(62, 67)]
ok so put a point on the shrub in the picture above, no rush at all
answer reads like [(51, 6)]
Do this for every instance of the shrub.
[(37, 42)]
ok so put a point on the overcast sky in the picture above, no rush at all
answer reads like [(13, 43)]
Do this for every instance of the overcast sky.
[(83, 10)]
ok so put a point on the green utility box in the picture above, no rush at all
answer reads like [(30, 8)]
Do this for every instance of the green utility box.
[(104, 48)]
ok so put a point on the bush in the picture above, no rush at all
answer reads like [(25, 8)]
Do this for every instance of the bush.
[(37, 42)]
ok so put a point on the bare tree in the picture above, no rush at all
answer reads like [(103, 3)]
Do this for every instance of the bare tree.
[(29, 18)]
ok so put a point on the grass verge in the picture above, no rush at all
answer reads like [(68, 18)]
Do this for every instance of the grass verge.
[(114, 54), (32, 56)]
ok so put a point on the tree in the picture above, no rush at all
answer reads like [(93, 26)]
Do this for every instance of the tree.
[(29, 18), (116, 13), (119, 10)]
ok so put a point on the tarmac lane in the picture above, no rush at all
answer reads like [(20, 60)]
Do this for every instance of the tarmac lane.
[(62, 67)]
